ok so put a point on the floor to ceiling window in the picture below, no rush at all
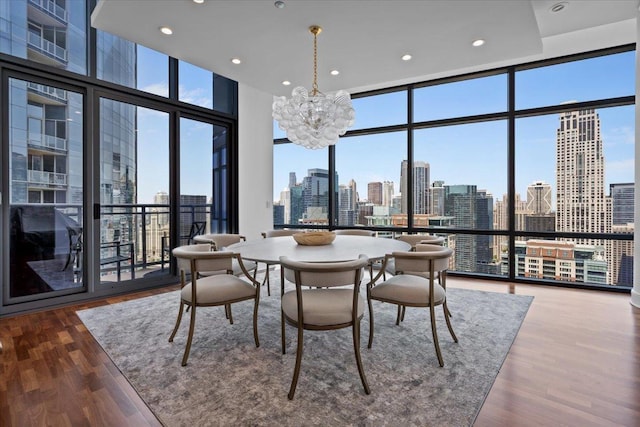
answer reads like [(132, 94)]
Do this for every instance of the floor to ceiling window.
[(527, 171), (92, 129)]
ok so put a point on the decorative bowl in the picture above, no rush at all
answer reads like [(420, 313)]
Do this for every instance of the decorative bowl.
[(315, 238)]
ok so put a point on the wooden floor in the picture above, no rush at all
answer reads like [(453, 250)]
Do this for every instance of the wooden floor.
[(575, 362)]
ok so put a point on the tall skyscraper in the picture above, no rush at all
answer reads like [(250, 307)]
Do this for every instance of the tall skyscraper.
[(539, 198), (582, 206), (436, 198), (387, 193), (347, 204), (461, 205), (374, 193), (292, 179), (420, 187)]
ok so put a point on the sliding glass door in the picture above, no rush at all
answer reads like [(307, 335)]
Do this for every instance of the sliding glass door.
[(45, 191), (134, 192)]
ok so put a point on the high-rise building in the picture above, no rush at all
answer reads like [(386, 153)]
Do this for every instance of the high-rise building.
[(374, 193), (622, 203), (292, 179), (581, 203), (460, 204), (347, 204), (387, 193), (420, 187), (539, 198), (436, 198)]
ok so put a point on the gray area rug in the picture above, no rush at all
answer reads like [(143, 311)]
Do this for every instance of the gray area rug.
[(228, 381)]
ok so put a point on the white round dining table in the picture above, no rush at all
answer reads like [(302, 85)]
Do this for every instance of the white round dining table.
[(343, 248)]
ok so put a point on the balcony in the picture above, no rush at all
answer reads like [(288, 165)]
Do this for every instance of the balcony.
[(48, 143), (47, 49), (46, 178), (47, 93), (48, 12)]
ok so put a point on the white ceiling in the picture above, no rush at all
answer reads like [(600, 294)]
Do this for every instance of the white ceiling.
[(364, 40)]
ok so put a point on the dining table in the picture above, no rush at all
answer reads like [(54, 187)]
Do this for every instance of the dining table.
[(343, 248)]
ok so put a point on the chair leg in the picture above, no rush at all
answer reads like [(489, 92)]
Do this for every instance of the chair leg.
[(227, 310), (399, 314), (370, 343), (282, 332), (446, 318), (266, 280), (191, 328), (175, 329), (255, 323), (296, 371), (435, 334), (404, 310), (356, 347)]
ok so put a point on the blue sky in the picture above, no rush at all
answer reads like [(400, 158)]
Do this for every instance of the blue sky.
[(476, 153), (466, 154)]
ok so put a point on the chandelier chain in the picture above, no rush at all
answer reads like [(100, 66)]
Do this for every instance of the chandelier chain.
[(315, 63)]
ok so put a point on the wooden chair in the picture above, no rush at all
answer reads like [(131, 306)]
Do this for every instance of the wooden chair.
[(408, 289), (221, 289), (322, 307)]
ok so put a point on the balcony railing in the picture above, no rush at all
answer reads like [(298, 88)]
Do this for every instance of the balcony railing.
[(51, 8), (49, 91), (50, 142), (41, 177), (48, 48)]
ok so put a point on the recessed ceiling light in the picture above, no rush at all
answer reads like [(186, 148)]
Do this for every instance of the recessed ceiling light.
[(286, 82), (279, 4), (406, 57), (558, 7), (198, 1), (236, 61), (335, 72), (478, 42), (166, 30)]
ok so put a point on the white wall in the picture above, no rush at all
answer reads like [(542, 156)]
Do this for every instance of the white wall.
[(255, 152)]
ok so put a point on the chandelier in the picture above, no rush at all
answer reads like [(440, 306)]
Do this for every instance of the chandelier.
[(314, 120)]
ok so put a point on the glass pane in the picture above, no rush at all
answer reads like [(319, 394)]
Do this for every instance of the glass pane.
[(196, 178), (577, 171), (56, 36), (564, 260), (459, 170), (586, 80), (369, 172), (368, 110), (300, 185), (195, 85), (46, 201), (134, 185), (458, 99), (123, 62)]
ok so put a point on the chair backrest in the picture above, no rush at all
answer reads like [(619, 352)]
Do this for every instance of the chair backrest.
[(414, 239), (200, 257), (324, 274), (221, 241), (419, 261), (278, 233), (368, 233)]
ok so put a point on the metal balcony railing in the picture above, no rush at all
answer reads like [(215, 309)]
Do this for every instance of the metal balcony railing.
[(51, 8), (49, 91), (50, 142), (42, 177), (47, 47)]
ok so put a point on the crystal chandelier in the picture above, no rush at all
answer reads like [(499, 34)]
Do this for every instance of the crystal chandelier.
[(314, 120)]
